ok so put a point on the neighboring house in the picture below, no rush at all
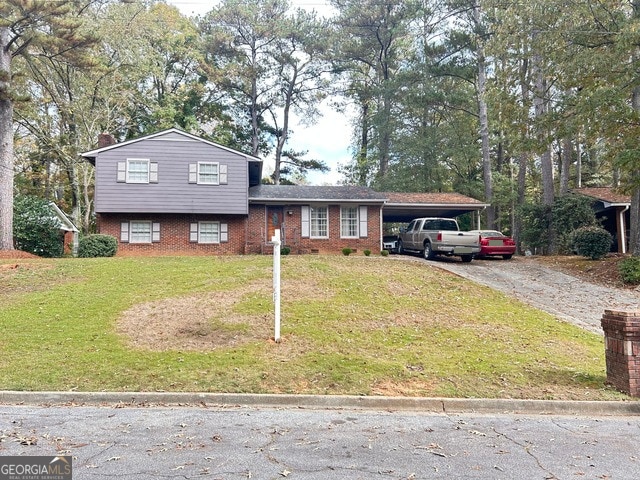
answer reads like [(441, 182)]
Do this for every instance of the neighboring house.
[(612, 209), (68, 231), (173, 192)]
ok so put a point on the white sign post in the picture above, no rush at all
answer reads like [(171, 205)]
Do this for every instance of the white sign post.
[(276, 283)]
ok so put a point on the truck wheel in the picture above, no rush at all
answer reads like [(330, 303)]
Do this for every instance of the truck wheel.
[(399, 248), (427, 253), (466, 258)]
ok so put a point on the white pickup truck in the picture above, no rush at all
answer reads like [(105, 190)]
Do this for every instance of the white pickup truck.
[(438, 236)]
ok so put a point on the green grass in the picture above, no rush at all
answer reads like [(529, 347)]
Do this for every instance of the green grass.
[(350, 325)]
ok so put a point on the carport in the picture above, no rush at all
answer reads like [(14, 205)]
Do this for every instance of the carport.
[(404, 207), (612, 210)]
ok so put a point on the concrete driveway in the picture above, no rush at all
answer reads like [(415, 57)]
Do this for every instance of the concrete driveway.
[(568, 298)]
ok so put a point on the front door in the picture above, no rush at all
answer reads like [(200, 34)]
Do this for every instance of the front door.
[(275, 216)]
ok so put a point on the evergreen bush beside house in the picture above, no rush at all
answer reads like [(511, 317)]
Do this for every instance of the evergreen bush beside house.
[(592, 242), (35, 229), (97, 245)]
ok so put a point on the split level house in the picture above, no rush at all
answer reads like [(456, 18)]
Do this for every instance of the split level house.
[(176, 193)]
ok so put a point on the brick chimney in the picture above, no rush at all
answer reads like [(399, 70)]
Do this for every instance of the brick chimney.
[(105, 140)]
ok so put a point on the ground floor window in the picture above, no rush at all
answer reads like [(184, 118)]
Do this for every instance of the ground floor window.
[(140, 232), (319, 222), (349, 222), (209, 232)]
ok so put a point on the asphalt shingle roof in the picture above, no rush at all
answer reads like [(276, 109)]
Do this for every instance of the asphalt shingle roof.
[(318, 193), (607, 194)]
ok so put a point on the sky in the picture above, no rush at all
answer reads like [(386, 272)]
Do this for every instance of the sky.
[(328, 139)]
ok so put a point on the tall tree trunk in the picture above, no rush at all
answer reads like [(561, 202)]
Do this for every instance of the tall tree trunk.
[(364, 146), (546, 159), (385, 133), (484, 123), (567, 151), (6, 144), (523, 159)]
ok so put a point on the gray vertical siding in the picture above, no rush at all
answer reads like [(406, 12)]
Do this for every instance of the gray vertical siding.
[(173, 193)]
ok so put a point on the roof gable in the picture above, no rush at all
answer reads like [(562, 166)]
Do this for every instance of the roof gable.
[(172, 132)]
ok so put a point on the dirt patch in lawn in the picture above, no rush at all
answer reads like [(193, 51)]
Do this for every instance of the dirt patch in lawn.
[(194, 323), (205, 321)]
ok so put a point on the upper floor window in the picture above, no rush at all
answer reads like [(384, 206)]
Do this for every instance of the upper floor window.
[(349, 222), (137, 170), (208, 173)]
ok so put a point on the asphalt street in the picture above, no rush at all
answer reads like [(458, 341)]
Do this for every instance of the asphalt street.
[(299, 443)]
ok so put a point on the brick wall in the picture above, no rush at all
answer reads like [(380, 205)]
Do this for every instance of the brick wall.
[(622, 349), (247, 235), (292, 236), (174, 234)]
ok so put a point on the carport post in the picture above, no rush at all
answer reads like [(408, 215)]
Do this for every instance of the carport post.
[(276, 283)]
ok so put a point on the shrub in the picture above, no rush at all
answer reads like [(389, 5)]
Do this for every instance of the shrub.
[(97, 246), (569, 213), (384, 253), (35, 229), (346, 251), (591, 242), (285, 250), (629, 269), (367, 253)]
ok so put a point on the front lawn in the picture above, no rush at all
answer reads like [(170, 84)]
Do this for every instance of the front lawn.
[(350, 325)]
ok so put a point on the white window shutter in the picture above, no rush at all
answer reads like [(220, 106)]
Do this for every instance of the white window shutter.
[(364, 228), (193, 232), (153, 172), (122, 172), (193, 173), (222, 174), (224, 232), (306, 224), (124, 232), (155, 232)]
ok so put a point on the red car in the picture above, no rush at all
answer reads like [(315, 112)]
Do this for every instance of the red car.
[(494, 243)]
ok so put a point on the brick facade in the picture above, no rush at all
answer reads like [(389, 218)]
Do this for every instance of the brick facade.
[(622, 347), (174, 234), (247, 234)]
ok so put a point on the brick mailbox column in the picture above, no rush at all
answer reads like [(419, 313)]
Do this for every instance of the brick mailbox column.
[(622, 346)]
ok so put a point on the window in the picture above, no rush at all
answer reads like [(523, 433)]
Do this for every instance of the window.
[(319, 222), (140, 232), (349, 222), (209, 232), (208, 173), (137, 170)]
